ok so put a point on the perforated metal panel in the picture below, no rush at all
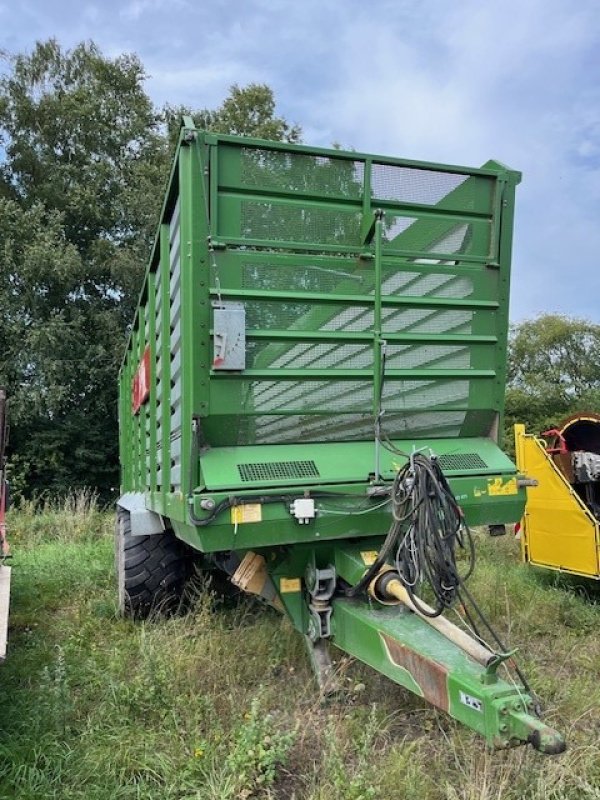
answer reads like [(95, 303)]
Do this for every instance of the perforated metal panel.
[(459, 461), (277, 221), (301, 172), (300, 311), (429, 187)]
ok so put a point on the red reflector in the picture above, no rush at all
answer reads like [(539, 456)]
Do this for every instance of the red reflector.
[(140, 390)]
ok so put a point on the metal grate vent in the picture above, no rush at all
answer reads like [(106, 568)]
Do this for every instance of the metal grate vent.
[(278, 470), (462, 461)]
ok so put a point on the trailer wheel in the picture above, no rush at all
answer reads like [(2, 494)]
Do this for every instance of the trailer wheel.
[(152, 571)]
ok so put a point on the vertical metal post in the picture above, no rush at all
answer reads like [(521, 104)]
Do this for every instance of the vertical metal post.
[(378, 342), (125, 425), (504, 260), (165, 407), (151, 407), (194, 294)]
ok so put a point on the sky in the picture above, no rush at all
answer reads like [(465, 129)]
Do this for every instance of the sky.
[(456, 81)]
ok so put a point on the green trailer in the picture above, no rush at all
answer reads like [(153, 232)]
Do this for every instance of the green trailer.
[(313, 324)]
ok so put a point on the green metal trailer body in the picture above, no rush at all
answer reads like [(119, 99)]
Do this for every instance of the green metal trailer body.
[(284, 234), (303, 308)]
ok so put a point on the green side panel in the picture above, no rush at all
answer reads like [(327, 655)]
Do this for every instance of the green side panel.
[(252, 467), (318, 301)]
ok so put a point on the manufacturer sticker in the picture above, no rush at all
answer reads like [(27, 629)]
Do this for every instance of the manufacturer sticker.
[(289, 585), (471, 702), (369, 557), (250, 512), (496, 486)]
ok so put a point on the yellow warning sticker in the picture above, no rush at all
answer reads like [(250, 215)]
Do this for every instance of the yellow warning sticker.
[(369, 557), (496, 486), (288, 585), (250, 512)]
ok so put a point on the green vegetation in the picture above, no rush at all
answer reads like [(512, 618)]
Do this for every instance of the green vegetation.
[(84, 158), (221, 704), (553, 371)]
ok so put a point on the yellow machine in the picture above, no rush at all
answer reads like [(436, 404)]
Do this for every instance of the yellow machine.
[(560, 529)]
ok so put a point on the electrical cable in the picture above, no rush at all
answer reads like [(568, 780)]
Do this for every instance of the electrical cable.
[(426, 550), (427, 528)]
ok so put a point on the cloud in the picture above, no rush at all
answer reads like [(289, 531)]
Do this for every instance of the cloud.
[(454, 82), (491, 80), (135, 9)]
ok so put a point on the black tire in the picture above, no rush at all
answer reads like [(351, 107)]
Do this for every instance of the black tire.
[(152, 571)]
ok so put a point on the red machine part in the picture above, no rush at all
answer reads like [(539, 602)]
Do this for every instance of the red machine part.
[(140, 389), (559, 444), (580, 431)]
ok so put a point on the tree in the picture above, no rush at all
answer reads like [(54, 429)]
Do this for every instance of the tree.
[(77, 128), (249, 111), (85, 161), (59, 405), (553, 371)]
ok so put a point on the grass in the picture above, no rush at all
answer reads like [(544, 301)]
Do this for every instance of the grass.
[(220, 704)]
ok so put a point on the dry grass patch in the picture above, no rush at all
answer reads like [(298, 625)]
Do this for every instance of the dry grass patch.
[(220, 703)]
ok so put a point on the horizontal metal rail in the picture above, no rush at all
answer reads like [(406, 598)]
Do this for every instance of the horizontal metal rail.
[(351, 374), (283, 245), (335, 336), (428, 166), (355, 299), (316, 200)]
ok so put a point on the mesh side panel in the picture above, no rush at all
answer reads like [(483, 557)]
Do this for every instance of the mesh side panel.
[(311, 355), (428, 423), (300, 172), (295, 223), (426, 320), (427, 355), (335, 396), (457, 240), (307, 316), (433, 284), (462, 461), (427, 236), (428, 187), (175, 366), (349, 277), (348, 427), (312, 428), (330, 396), (278, 470), (394, 225), (426, 394), (264, 355)]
